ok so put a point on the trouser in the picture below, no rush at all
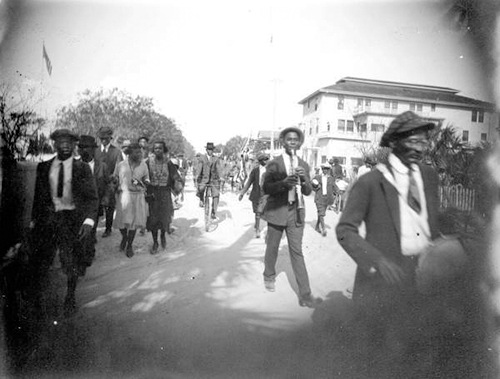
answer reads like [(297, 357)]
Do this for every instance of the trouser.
[(294, 236), (109, 212)]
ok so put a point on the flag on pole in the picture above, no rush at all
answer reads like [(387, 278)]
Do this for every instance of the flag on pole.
[(47, 60)]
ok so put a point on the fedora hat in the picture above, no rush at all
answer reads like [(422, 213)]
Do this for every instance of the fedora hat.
[(284, 132), (404, 124), (104, 132), (262, 157), (59, 133), (86, 141), (210, 146)]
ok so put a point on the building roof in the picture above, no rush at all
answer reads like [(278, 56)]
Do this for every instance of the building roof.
[(400, 91)]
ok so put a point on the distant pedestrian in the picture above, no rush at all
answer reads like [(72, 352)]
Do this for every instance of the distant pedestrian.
[(286, 181), (324, 186), (367, 167), (209, 175), (143, 142), (110, 155), (256, 180), (164, 180), (131, 208), (337, 170)]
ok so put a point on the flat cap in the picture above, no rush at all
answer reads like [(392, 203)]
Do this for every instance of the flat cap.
[(293, 129), (326, 165), (87, 141), (404, 124), (59, 133), (105, 131)]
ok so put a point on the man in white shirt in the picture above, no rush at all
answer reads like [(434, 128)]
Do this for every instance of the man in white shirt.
[(64, 213), (398, 204)]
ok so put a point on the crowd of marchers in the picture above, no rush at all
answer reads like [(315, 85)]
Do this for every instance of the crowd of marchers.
[(136, 187)]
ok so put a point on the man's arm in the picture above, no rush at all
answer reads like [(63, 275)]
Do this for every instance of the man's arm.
[(249, 182)]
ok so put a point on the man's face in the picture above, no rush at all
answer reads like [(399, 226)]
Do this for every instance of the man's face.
[(143, 143), (105, 140), (158, 150), (291, 141), (325, 170), (263, 162), (210, 152), (87, 153), (64, 147), (411, 149)]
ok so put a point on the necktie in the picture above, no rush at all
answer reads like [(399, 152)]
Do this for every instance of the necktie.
[(60, 181), (413, 195), (291, 192)]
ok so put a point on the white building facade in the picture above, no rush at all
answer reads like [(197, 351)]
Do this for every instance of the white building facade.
[(346, 120)]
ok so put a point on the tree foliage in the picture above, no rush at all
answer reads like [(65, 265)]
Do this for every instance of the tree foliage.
[(233, 147), (128, 116), (19, 124)]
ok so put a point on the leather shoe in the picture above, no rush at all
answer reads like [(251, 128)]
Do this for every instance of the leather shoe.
[(106, 233), (310, 301), (130, 251), (269, 285), (202, 204)]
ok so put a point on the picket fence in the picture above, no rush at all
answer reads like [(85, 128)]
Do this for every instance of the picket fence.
[(457, 196)]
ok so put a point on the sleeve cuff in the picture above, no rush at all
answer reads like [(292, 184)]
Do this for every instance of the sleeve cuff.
[(89, 221)]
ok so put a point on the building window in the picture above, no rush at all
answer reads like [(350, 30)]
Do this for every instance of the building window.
[(394, 105), (387, 104), (350, 126), (480, 116), (412, 107), (362, 128), (377, 127), (360, 102), (433, 107), (419, 107), (341, 126), (484, 137), (465, 136), (340, 104), (342, 160), (368, 102), (324, 159), (474, 116), (316, 107)]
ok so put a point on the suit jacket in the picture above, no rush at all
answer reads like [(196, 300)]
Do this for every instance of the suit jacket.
[(375, 201), (253, 180), (101, 178), (209, 170), (330, 189), (84, 193), (111, 158), (276, 211)]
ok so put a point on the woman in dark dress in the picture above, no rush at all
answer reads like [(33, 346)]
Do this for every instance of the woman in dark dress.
[(165, 179)]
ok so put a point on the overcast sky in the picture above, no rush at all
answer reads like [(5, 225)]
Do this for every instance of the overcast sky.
[(225, 68)]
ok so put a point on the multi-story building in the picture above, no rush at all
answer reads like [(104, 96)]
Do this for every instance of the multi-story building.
[(346, 120)]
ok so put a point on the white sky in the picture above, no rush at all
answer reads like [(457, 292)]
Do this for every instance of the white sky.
[(210, 65)]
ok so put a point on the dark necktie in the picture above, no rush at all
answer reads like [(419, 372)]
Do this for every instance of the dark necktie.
[(60, 181), (413, 195)]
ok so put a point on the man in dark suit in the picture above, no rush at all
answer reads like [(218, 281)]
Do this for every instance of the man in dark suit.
[(87, 146), (256, 180), (324, 186), (286, 181), (398, 202), (110, 155), (64, 213), (209, 173)]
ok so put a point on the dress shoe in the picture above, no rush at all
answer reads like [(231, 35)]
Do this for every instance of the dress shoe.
[(269, 284), (106, 233), (202, 204), (323, 233), (154, 250), (214, 217), (310, 301)]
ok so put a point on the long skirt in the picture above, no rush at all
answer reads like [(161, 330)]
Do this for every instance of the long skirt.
[(131, 211), (161, 209)]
